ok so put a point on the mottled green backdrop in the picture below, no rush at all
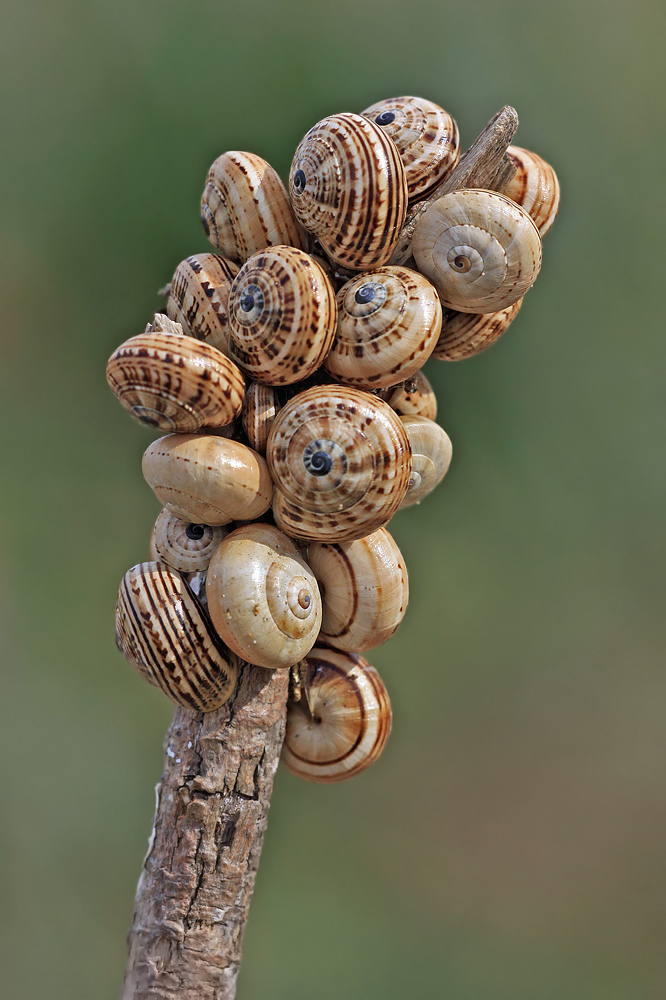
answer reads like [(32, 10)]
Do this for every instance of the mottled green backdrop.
[(510, 843)]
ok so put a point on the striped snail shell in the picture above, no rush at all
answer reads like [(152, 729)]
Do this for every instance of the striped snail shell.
[(414, 398), (163, 631), (342, 721), (175, 383), (364, 589), (388, 324), (426, 136), (340, 461), (245, 208), (431, 457), (260, 407), (198, 297), (207, 479), (263, 597), (282, 316), (183, 545), (534, 187), (480, 250), (347, 187), (466, 334)]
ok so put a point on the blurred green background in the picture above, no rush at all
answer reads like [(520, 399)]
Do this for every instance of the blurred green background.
[(510, 842)]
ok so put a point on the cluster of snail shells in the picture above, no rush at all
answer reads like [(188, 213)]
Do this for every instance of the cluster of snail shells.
[(287, 380)]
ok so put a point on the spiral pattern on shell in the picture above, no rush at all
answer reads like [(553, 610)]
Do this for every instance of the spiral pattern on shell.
[(183, 545), (431, 457), (466, 334), (198, 297), (534, 187)]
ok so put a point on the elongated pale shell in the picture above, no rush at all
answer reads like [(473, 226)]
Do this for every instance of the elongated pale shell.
[(175, 383), (282, 316), (199, 296), (414, 398), (340, 461), (534, 187), (388, 324), (245, 208), (183, 545), (431, 457), (164, 632), (481, 251), (426, 136), (364, 590), (466, 334), (347, 187), (260, 407), (263, 597), (342, 721), (207, 479)]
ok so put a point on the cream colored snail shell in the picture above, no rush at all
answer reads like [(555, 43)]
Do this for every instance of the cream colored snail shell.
[(414, 398), (342, 721), (263, 597), (388, 324), (341, 462), (175, 383), (208, 479), (245, 207), (431, 457), (364, 590), (466, 334), (163, 632), (183, 545), (282, 316), (481, 251), (347, 187), (260, 408), (534, 187), (426, 136), (198, 297)]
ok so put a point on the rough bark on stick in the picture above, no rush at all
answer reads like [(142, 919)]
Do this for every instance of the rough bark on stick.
[(194, 892)]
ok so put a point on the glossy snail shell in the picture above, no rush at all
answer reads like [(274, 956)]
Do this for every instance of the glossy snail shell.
[(245, 208), (426, 136), (466, 334), (364, 590), (388, 324), (340, 461), (260, 407), (534, 187), (163, 632), (431, 457), (414, 398), (481, 251), (282, 316), (198, 297), (342, 721), (183, 545), (347, 187), (175, 383), (207, 479), (263, 597)]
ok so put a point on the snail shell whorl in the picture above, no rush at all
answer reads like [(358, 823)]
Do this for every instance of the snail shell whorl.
[(426, 136), (183, 545), (414, 398), (364, 589), (431, 457), (263, 597), (163, 631), (198, 298), (342, 721), (340, 461), (260, 407), (480, 250), (347, 187), (388, 324), (245, 208), (466, 334), (282, 316), (534, 187)]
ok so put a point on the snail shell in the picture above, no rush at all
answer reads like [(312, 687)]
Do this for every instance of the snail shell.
[(183, 545), (263, 597), (426, 136), (207, 479), (431, 457), (414, 398), (340, 461), (466, 334), (260, 407), (175, 383), (245, 208), (388, 324), (282, 316), (364, 589), (347, 187), (198, 298), (163, 632), (480, 250), (342, 721), (534, 187)]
